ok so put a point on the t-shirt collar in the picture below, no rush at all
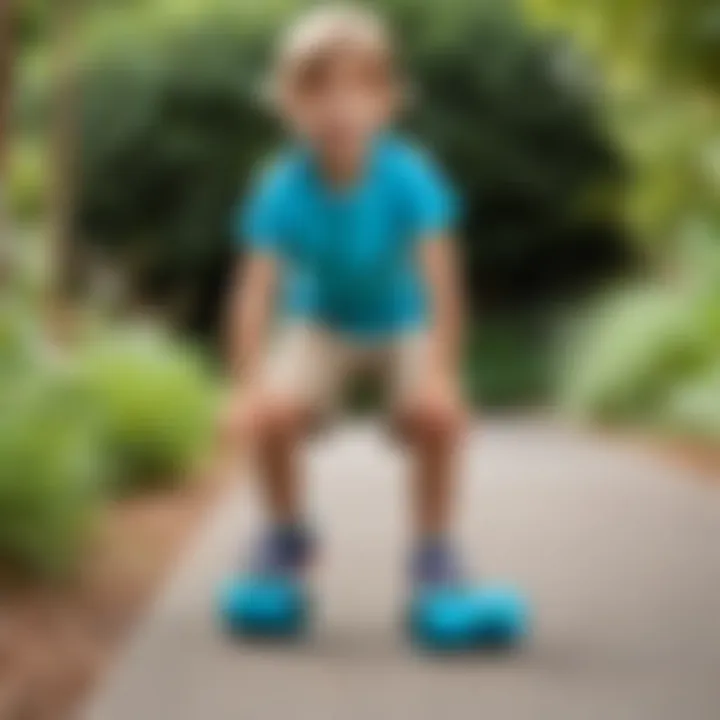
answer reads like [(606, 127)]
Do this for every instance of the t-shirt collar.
[(354, 188)]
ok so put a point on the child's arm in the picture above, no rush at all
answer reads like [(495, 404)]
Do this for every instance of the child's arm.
[(438, 259), (258, 226), (251, 307)]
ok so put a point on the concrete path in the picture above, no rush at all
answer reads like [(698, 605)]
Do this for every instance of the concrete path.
[(620, 554)]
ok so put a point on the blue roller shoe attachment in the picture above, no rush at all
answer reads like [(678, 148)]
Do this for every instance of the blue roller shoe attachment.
[(445, 614), (458, 619), (264, 607), (271, 601)]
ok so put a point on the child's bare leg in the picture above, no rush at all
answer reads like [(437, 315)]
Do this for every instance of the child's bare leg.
[(279, 430), (434, 433), (272, 429), (290, 393), (433, 427)]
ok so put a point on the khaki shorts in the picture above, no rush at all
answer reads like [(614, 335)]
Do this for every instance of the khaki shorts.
[(314, 367)]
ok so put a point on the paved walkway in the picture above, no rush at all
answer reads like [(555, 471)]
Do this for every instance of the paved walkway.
[(620, 554)]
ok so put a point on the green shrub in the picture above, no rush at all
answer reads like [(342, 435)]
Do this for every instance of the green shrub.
[(129, 409), (23, 349), (694, 407), (642, 351), (15, 341), (636, 347), (507, 363), (627, 351), (50, 474), (155, 400), (27, 179)]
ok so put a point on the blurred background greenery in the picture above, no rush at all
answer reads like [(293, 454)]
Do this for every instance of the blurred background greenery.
[(583, 135)]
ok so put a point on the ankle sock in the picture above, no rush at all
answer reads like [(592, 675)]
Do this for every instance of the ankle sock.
[(283, 549), (434, 562)]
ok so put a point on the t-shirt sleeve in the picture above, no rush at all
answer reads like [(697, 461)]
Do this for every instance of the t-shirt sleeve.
[(258, 223), (432, 205)]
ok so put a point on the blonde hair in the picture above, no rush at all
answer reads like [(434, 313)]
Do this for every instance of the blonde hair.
[(325, 30)]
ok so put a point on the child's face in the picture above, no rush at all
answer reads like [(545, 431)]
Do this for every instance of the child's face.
[(339, 103)]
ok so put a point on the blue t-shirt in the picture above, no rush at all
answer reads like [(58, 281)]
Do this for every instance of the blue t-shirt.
[(348, 258)]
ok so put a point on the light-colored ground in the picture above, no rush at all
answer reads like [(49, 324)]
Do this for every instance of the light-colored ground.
[(620, 555)]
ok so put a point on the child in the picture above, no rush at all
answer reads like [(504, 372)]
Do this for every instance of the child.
[(350, 233)]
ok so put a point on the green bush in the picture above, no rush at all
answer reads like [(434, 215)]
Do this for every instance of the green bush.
[(626, 352), (155, 402), (16, 341), (694, 407), (643, 352), (27, 178), (114, 413), (507, 363), (50, 474), (636, 348)]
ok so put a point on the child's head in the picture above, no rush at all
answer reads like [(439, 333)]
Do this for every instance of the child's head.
[(335, 81)]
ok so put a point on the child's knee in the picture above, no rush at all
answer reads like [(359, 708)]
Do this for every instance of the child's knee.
[(278, 419), (261, 419), (435, 424)]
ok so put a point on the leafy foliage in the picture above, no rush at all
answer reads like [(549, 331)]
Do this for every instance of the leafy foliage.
[(650, 351), (644, 40), (154, 400), (661, 59), (16, 339), (694, 407), (507, 362), (630, 347), (33, 19), (122, 413), (27, 180), (50, 473)]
